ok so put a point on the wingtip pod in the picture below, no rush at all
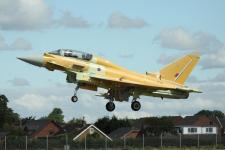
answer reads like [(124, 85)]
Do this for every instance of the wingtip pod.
[(196, 91), (193, 90), (179, 70), (195, 54)]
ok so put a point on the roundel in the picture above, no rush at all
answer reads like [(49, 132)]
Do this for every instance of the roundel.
[(176, 75)]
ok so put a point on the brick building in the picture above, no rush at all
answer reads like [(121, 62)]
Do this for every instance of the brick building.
[(41, 128), (192, 125)]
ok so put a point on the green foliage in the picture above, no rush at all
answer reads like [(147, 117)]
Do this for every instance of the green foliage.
[(56, 115), (8, 119), (77, 121), (218, 113), (43, 118), (209, 113), (156, 126), (108, 125)]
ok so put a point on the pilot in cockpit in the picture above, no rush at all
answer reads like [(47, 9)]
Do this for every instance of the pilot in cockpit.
[(72, 53)]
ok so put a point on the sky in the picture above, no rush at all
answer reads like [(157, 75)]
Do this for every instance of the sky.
[(141, 35)]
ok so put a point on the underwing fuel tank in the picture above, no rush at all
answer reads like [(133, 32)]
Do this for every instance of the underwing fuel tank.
[(170, 94)]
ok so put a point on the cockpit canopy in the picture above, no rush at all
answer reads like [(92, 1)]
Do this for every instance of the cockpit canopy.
[(72, 53)]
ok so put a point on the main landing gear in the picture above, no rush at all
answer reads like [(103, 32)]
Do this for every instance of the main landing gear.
[(135, 105), (74, 98), (110, 106)]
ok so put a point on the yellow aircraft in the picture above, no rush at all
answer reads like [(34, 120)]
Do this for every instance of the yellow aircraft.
[(89, 72)]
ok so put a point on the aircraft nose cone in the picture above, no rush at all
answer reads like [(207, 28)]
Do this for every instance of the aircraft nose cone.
[(34, 60)]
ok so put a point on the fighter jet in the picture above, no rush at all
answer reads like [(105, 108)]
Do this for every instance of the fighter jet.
[(90, 72)]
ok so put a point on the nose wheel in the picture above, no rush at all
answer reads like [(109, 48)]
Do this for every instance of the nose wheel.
[(110, 106), (74, 98), (136, 105)]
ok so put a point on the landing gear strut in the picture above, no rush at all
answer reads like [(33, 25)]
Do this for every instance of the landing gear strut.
[(74, 98), (135, 105), (110, 106)]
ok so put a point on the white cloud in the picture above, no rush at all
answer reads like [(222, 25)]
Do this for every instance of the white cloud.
[(21, 43), (214, 60), (3, 44), (18, 44), (166, 59), (206, 42), (34, 15), (33, 102), (131, 114), (119, 20), (181, 39), (219, 78), (184, 107), (70, 21), (24, 15), (194, 79), (19, 82), (176, 38)]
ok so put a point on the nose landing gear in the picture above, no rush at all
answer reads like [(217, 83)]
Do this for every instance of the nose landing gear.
[(74, 98)]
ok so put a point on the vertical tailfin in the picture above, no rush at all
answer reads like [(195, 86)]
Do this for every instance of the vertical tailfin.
[(179, 70)]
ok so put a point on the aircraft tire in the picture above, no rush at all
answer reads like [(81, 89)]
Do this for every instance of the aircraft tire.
[(110, 106), (136, 105), (74, 98)]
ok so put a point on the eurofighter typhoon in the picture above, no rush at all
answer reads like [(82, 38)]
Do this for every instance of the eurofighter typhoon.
[(91, 72)]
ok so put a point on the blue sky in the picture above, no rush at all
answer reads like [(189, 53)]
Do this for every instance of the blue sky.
[(140, 35)]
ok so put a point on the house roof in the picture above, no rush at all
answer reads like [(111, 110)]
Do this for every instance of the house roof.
[(138, 123), (78, 131), (73, 127), (198, 121), (120, 132), (36, 125), (216, 121), (141, 122), (88, 126), (176, 119), (3, 134)]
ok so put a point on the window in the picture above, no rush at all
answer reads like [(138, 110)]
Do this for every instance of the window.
[(56, 52), (209, 130), (72, 53), (192, 130)]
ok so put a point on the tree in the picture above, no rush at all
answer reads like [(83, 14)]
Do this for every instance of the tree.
[(77, 121), (218, 114), (56, 115), (210, 113), (3, 109), (103, 124), (156, 126), (107, 125), (24, 120), (8, 118)]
